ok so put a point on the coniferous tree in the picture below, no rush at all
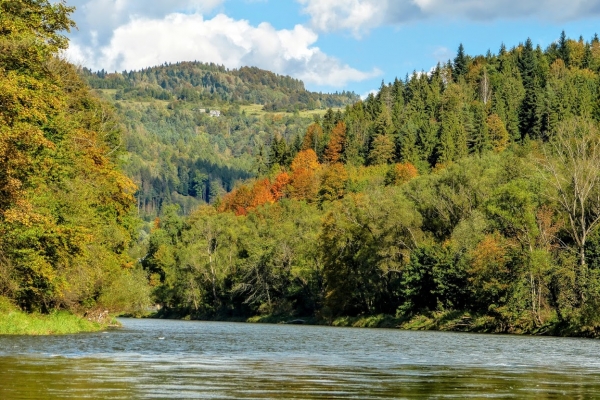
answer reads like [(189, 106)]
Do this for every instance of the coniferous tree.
[(587, 57), (407, 142), (329, 120), (460, 62), (530, 122), (279, 154), (479, 138), (262, 164), (563, 48)]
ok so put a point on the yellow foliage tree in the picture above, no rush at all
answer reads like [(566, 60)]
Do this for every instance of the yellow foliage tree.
[(304, 184), (498, 133)]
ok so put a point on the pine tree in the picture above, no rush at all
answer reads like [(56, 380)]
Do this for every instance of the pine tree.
[(460, 62), (497, 132), (407, 141), (278, 154), (479, 140), (382, 146), (530, 122), (382, 150), (261, 162), (587, 57), (313, 137), (383, 124), (328, 121), (563, 48)]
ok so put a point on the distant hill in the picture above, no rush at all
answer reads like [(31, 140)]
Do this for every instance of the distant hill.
[(212, 84), (193, 131)]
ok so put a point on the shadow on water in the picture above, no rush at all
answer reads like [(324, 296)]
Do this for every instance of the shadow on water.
[(174, 359)]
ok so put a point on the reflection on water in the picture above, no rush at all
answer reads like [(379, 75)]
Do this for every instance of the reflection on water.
[(176, 359)]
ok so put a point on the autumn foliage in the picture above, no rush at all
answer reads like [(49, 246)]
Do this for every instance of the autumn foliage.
[(314, 133), (66, 220), (337, 143), (279, 187), (304, 184), (301, 184), (401, 173), (246, 198)]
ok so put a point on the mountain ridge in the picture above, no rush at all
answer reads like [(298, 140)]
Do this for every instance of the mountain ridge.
[(213, 84)]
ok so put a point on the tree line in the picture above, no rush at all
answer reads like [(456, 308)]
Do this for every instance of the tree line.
[(213, 85), (66, 209), (472, 188)]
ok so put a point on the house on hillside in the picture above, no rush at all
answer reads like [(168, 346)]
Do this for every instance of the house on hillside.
[(215, 113)]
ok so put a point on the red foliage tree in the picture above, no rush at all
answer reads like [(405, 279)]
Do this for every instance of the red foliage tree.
[(279, 187)]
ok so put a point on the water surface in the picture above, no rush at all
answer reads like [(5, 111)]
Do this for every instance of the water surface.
[(151, 359)]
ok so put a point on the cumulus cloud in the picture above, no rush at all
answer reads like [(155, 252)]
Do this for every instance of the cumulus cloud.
[(96, 19), (145, 41), (353, 15), (358, 16)]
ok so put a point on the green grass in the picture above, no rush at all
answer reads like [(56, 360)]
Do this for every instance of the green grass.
[(15, 322), (257, 110)]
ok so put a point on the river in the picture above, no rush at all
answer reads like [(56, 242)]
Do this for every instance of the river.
[(153, 359)]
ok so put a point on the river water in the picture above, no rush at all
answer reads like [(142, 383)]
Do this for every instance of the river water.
[(151, 359)]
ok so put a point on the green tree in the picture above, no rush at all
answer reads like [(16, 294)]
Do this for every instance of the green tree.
[(460, 62), (530, 119), (571, 162)]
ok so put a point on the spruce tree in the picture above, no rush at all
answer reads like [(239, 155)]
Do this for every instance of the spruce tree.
[(529, 115), (587, 57), (563, 48), (328, 121), (460, 62)]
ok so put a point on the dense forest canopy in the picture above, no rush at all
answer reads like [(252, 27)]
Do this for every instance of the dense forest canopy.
[(471, 189), (213, 84), (470, 192), (179, 155), (195, 130), (66, 220)]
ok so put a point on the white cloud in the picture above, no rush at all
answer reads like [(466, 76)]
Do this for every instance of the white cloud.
[(146, 41), (358, 16), (96, 19), (353, 15)]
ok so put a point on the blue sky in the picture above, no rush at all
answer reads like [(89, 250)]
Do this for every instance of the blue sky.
[(330, 44)]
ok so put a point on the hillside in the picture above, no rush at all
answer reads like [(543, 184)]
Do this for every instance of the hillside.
[(178, 152), (214, 85), (466, 198)]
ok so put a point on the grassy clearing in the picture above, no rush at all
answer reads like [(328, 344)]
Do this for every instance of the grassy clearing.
[(257, 110), (15, 322)]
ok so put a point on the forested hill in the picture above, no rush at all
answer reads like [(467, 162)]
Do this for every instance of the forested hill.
[(466, 198), (213, 84), (67, 220)]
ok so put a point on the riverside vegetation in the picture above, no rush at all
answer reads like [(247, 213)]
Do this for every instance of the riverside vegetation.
[(466, 198), (66, 210)]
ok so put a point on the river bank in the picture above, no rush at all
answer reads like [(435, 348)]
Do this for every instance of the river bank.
[(444, 321), (16, 322), (153, 358)]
